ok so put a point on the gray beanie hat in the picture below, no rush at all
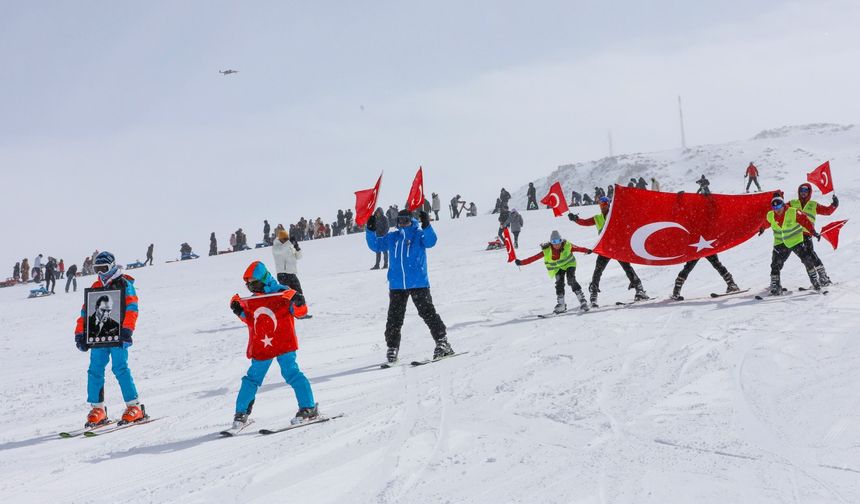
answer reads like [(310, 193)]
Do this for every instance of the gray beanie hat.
[(555, 235)]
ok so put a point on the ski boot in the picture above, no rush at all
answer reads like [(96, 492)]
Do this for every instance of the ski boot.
[(676, 291), (641, 295), (731, 286), (375, 267), (133, 413), (240, 420), (583, 304), (96, 416), (391, 355), (306, 415), (813, 279), (775, 288), (560, 306), (443, 349), (823, 279), (592, 291)]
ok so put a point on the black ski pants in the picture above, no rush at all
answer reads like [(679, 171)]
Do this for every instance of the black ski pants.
[(715, 262), (290, 280), (397, 310), (73, 281), (532, 204), (807, 240), (570, 275), (380, 255), (50, 282), (600, 265), (148, 260), (751, 181), (803, 250)]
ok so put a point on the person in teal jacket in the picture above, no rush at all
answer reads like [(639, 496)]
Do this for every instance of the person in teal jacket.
[(407, 246)]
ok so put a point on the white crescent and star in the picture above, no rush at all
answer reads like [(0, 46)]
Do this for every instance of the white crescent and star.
[(825, 178), (641, 235), (557, 201), (267, 341)]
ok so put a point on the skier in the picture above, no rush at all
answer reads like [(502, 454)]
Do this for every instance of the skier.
[(688, 267), (110, 276), (788, 224), (560, 263), (600, 264), (407, 277), (286, 252), (515, 223), (50, 276), (704, 186), (71, 273), (213, 244), (531, 193), (811, 209), (149, 255), (436, 206), (381, 230), (259, 281), (752, 175)]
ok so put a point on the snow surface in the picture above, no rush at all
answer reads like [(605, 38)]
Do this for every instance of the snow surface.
[(705, 401)]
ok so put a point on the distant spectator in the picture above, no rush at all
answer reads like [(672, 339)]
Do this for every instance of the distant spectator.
[(286, 252), (655, 186), (70, 277), (266, 230), (531, 195), (515, 223), (25, 270), (50, 275), (632, 183), (586, 200), (16, 272), (473, 210), (149, 255), (752, 175), (186, 253), (37, 264), (436, 205), (704, 186), (610, 191), (641, 184), (575, 199), (382, 225), (233, 242), (455, 207), (62, 268)]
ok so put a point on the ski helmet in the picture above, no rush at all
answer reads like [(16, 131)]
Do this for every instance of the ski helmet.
[(555, 237)]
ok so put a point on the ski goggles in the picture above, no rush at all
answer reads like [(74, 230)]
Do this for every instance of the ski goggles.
[(557, 241), (777, 204), (102, 268), (255, 286), (803, 190)]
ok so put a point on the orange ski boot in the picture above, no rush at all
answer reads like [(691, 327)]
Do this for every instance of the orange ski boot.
[(97, 416), (133, 413)]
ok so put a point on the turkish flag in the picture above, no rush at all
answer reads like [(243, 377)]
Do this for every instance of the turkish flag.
[(830, 232), (271, 328), (821, 178), (658, 228), (416, 194), (509, 245), (365, 202), (555, 200)]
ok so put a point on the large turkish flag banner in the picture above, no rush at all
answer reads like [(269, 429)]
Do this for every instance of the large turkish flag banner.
[(658, 228), (271, 328), (365, 202)]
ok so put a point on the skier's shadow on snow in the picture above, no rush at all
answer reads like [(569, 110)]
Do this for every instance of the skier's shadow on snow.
[(175, 446), (11, 445)]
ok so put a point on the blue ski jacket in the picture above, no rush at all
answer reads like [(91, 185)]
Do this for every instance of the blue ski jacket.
[(407, 252)]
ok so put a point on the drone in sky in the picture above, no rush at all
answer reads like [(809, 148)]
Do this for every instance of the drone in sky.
[(227, 72)]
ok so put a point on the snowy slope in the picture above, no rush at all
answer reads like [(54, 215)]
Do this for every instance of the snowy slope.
[(704, 401)]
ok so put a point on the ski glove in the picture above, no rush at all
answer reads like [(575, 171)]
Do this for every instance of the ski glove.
[(297, 299), (80, 342), (424, 217), (588, 251), (517, 262), (371, 223), (572, 216), (835, 201), (125, 337), (295, 243), (817, 236), (236, 307)]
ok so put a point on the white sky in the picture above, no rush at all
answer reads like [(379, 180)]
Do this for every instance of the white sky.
[(116, 129)]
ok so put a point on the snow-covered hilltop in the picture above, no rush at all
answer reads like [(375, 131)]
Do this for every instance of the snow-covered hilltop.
[(777, 153)]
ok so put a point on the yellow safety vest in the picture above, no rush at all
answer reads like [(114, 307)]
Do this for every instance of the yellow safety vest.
[(810, 208), (600, 221), (790, 233), (565, 260)]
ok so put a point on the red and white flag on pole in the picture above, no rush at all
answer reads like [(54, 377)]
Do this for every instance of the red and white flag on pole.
[(365, 202), (830, 232), (555, 200), (509, 245), (416, 194), (658, 228), (821, 178)]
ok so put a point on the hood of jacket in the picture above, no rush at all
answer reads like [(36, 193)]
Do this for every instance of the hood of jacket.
[(803, 200), (258, 271)]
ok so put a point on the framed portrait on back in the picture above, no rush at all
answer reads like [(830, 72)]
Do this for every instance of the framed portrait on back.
[(105, 309)]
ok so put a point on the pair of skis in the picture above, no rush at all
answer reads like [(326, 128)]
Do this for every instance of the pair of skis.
[(105, 428), (715, 295), (234, 431), (416, 363)]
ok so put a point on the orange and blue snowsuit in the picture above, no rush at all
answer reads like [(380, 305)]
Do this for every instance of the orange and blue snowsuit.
[(118, 356)]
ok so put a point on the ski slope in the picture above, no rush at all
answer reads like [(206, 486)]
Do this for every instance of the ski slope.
[(705, 401)]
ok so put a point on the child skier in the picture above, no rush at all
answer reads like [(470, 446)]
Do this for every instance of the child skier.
[(110, 276), (283, 347), (560, 263)]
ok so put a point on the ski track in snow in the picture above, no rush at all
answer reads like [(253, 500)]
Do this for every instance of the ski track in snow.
[(705, 400)]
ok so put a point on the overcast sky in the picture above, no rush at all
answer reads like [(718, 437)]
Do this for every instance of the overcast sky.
[(116, 129)]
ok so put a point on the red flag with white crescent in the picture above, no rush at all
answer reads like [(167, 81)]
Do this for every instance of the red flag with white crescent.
[(271, 328), (416, 194), (830, 232), (365, 202), (821, 178), (658, 228), (555, 200), (509, 245)]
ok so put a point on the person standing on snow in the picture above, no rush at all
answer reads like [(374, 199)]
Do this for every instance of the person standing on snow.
[(560, 263), (531, 194), (110, 276), (213, 244), (655, 186), (25, 270), (286, 252), (752, 175), (407, 277), (70, 277), (515, 223), (704, 186), (149, 255), (599, 221), (266, 230), (688, 267), (436, 205), (62, 268), (16, 272), (788, 224), (811, 209), (382, 226), (259, 281), (455, 205), (50, 275)]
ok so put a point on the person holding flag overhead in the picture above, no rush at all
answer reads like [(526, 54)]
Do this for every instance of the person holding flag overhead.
[(812, 209), (560, 264), (788, 224), (599, 221)]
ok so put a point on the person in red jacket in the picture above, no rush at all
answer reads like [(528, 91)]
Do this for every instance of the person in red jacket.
[(752, 176), (557, 255), (812, 209)]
